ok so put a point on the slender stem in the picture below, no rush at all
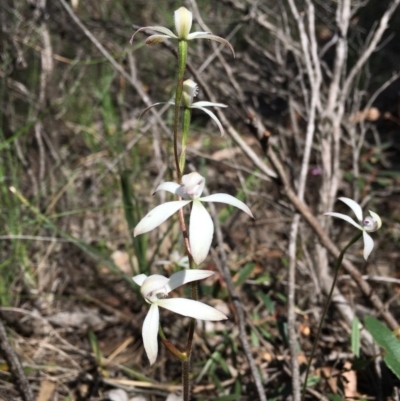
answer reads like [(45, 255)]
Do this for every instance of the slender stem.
[(185, 380), (182, 56), (327, 303), (182, 356), (185, 133)]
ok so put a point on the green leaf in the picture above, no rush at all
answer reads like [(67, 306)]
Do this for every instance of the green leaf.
[(387, 340), (245, 273), (355, 337)]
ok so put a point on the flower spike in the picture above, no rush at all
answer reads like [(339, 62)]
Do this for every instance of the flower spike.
[(183, 24), (155, 290), (201, 227), (368, 224)]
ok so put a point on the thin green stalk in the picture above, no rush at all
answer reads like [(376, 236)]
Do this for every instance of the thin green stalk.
[(185, 133), (182, 56), (328, 301)]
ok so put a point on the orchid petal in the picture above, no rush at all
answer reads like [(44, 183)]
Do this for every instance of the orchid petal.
[(153, 105), (161, 29), (368, 244), (154, 285), (354, 206), (229, 199), (149, 333), (139, 279), (377, 219), (193, 184), (200, 232), (186, 276), (204, 103), (157, 216), (168, 186), (183, 22), (212, 115), (191, 308), (156, 39), (206, 35), (344, 217)]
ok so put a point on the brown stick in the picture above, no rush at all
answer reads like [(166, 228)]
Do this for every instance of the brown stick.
[(14, 365)]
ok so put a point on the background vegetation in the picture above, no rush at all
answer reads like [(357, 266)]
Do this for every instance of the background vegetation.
[(78, 167)]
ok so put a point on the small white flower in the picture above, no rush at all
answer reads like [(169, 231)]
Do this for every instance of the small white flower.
[(183, 25), (190, 90), (367, 224), (201, 227), (155, 290)]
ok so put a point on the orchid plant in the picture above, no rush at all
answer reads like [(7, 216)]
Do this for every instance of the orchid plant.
[(365, 225), (188, 189)]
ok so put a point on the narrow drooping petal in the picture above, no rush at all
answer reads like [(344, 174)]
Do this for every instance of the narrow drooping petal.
[(191, 308), (344, 217), (156, 39), (201, 232), (368, 244), (161, 29), (157, 216), (168, 186), (183, 22), (187, 276), (139, 279), (228, 199), (354, 206), (150, 332), (211, 114), (207, 35)]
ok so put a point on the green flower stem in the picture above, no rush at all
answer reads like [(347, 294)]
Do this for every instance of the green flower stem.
[(182, 56), (185, 132), (327, 303)]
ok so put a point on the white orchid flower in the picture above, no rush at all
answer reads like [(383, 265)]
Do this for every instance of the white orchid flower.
[(155, 289), (190, 90), (175, 258), (201, 226), (183, 24), (368, 224)]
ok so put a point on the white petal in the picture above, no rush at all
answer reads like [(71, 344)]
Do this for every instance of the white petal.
[(206, 35), (376, 218), (153, 105), (139, 279), (168, 186), (355, 207), (193, 184), (212, 115), (186, 276), (191, 308), (183, 22), (153, 285), (344, 217), (157, 216), (208, 104), (190, 90), (150, 332), (229, 199), (368, 244), (201, 232), (156, 39), (161, 29)]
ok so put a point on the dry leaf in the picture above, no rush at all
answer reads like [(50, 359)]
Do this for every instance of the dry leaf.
[(46, 392)]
